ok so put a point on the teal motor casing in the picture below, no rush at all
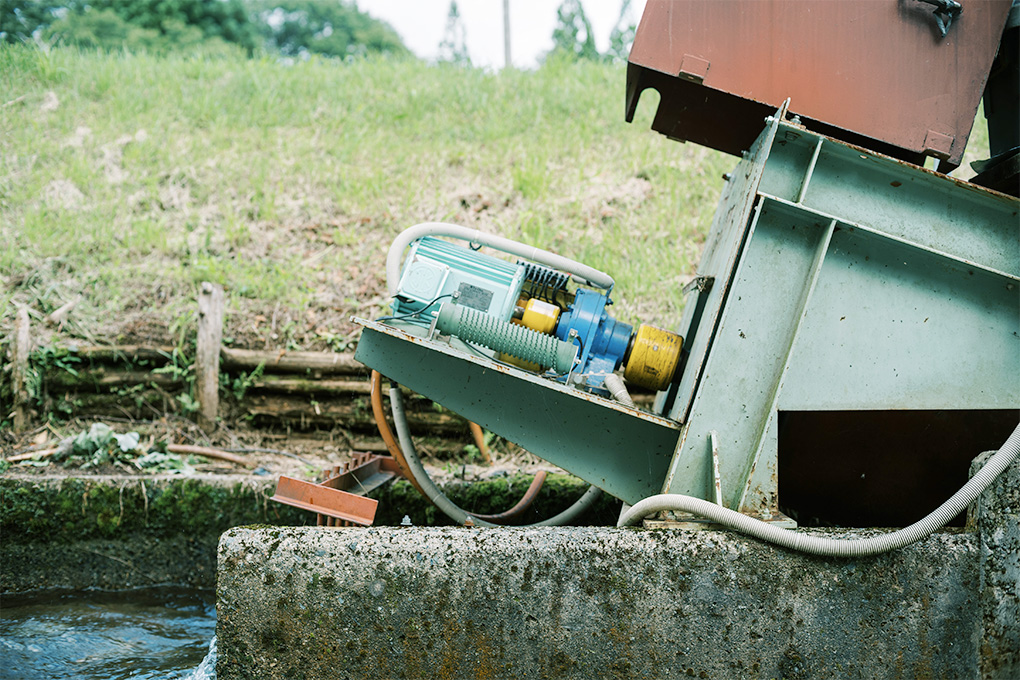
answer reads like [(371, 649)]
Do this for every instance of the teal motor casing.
[(438, 270)]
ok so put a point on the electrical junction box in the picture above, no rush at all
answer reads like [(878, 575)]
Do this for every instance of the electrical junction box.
[(436, 270)]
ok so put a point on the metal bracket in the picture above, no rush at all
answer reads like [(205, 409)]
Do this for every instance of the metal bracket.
[(340, 499), (945, 13), (701, 283), (717, 478)]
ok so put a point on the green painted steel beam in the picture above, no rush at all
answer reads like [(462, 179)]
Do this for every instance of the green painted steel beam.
[(622, 450)]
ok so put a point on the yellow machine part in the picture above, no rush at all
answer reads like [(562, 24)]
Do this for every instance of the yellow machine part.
[(653, 357), (538, 316)]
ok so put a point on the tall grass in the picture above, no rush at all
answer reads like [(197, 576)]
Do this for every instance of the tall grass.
[(133, 177)]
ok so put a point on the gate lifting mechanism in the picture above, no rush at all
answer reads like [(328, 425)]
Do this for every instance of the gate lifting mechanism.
[(837, 277), (525, 314)]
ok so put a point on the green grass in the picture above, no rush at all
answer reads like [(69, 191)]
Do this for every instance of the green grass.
[(287, 183)]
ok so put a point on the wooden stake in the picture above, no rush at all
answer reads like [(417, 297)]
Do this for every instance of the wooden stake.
[(207, 359), (22, 348)]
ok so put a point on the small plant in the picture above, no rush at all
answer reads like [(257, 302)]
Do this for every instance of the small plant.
[(179, 367), (240, 385), (98, 446)]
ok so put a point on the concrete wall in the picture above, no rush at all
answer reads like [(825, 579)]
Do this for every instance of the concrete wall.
[(587, 603), (616, 603)]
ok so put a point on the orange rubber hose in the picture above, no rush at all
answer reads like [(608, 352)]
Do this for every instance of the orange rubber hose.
[(483, 448)]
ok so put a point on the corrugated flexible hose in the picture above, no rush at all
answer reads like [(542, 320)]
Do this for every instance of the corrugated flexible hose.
[(834, 547)]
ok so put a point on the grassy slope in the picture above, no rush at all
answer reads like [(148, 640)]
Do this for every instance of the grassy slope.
[(286, 184)]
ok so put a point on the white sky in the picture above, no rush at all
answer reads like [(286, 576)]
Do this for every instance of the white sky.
[(422, 23)]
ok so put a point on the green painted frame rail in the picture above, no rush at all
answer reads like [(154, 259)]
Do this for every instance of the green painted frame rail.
[(620, 449)]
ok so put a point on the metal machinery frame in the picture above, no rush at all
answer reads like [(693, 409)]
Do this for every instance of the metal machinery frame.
[(834, 279)]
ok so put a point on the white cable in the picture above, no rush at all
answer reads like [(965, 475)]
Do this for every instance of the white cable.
[(394, 257), (449, 508), (834, 547)]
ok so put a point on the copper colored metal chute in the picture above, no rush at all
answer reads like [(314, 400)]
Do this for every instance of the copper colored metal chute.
[(876, 74)]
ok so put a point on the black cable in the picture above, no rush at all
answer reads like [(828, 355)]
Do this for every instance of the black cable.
[(417, 313)]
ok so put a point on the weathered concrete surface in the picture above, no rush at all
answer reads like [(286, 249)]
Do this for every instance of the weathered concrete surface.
[(588, 603), (996, 517)]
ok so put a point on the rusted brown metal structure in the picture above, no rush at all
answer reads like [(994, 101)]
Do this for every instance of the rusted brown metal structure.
[(878, 74), (339, 500)]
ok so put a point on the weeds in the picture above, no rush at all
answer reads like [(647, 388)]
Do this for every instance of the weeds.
[(152, 174)]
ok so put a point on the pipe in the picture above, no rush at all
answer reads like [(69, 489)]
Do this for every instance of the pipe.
[(479, 437), (386, 433), (434, 494), (614, 384), (476, 431), (526, 500), (582, 272), (832, 547)]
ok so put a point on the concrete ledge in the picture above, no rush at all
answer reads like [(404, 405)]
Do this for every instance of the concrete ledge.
[(124, 531), (588, 603)]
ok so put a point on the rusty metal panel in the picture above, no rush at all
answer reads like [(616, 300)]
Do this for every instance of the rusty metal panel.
[(325, 500), (878, 74)]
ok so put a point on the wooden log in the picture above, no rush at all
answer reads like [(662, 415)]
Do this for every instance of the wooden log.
[(106, 380), (282, 361), (207, 353), (287, 385), (19, 370), (300, 409), (149, 404), (158, 355)]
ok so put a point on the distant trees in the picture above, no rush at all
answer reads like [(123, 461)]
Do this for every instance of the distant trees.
[(453, 48), (131, 24), (573, 37), (622, 36), (334, 28)]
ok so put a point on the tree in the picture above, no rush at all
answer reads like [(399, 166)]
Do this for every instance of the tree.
[(336, 29), (20, 20), (114, 24), (573, 36), (453, 48), (622, 36)]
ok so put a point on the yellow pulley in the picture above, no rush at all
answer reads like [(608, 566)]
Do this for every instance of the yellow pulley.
[(654, 355)]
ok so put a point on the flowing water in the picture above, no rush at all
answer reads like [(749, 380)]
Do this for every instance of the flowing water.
[(154, 633)]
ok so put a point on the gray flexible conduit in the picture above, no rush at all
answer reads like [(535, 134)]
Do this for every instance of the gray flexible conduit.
[(834, 547), (450, 508)]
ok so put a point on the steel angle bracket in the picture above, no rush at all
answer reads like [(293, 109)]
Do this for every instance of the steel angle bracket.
[(622, 450), (325, 500)]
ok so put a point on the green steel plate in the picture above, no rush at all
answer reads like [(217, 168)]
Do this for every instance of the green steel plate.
[(624, 451)]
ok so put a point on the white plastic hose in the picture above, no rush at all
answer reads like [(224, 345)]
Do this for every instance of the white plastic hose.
[(582, 272), (834, 547), (614, 384), (449, 508)]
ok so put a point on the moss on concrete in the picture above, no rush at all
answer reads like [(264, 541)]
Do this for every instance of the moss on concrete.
[(81, 508), (493, 496)]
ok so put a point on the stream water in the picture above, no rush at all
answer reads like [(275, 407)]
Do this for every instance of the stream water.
[(154, 633)]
